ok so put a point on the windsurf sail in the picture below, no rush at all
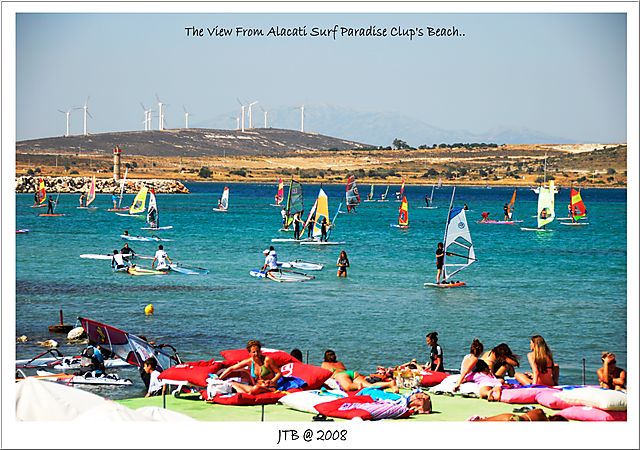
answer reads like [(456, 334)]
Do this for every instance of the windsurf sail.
[(153, 216), (294, 201), (439, 182), (458, 247), (370, 196), (353, 196), (402, 189), (433, 187), (42, 192), (310, 216), (511, 205), (546, 212), (139, 201), (403, 213), (384, 196), (578, 210), (224, 200), (279, 197), (91, 196), (129, 347), (322, 212), (122, 184)]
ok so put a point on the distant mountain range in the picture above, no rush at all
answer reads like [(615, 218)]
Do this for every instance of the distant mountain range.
[(381, 128)]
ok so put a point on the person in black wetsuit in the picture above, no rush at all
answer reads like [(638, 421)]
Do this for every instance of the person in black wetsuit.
[(50, 203), (439, 261), (323, 230), (436, 363), (506, 212), (296, 226)]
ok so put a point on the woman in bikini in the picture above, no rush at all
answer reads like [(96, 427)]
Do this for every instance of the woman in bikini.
[(501, 360), (350, 380), (264, 372), (545, 371)]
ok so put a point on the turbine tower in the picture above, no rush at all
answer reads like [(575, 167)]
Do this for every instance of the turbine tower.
[(242, 113), (250, 105), (301, 118), (265, 116), (85, 112), (186, 117), (237, 119), (161, 113), (147, 117), (68, 114)]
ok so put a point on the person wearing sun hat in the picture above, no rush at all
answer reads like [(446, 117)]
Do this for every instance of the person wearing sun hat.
[(270, 260)]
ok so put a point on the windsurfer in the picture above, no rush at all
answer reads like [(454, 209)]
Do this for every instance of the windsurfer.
[(485, 216), (285, 225), (506, 212), (127, 252), (426, 199), (36, 197), (114, 199), (323, 229), (270, 260), (117, 261), (296, 226), (161, 257), (50, 203), (440, 260), (152, 217), (83, 201), (310, 227)]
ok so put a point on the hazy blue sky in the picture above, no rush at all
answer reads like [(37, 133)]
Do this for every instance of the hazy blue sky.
[(561, 74)]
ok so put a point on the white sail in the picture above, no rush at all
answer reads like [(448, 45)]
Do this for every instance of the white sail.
[(153, 217), (458, 247), (224, 201), (546, 205), (123, 182)]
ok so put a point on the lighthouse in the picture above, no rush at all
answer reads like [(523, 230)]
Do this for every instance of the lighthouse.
[(116, 162)]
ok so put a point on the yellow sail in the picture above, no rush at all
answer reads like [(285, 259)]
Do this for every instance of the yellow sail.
[(403, 213), (138, 205), (322, 212)]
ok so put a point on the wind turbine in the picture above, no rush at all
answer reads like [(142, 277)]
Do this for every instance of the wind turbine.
[(242, 112), (147, 117), (85, 112), (68, 114), (301, 118), (160, 113), (237, 119), (250, 105), (186, 117), (265, 116)]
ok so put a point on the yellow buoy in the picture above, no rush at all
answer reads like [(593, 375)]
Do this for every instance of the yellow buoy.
[(148, 309)]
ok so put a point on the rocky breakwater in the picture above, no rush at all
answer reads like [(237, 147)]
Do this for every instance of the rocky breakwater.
[(104, 186)]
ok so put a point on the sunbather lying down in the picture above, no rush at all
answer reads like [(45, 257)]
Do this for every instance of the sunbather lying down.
[(350, 380), (534, 415)]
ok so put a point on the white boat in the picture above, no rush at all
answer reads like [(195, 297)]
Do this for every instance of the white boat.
[(223, 203), (546, 208), (458, 247)]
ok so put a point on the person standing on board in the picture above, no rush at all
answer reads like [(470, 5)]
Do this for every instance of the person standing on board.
[(312, 223), (83, 202), (323, 230), (343, 263), (439, 261), (426, 199), (506, 212), (50, 203), (296, 226), (114, 199), (161, 257), (36, 197)]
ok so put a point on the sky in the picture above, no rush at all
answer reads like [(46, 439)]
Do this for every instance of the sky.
[(560, 74)]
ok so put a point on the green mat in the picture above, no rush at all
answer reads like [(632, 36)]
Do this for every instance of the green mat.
[(445, 409)]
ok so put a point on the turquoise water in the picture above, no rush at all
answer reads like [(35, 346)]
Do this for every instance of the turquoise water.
[(569, 286)]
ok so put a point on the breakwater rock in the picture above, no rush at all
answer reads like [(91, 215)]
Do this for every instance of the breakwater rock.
[(103, 185)]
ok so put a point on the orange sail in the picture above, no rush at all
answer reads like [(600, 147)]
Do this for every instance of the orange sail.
[(403, 213), (42, 192)]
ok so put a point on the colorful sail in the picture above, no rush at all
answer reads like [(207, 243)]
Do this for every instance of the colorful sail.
[(224, 200), (153, 217), (139, 201), (511, 205), (294, 201), (279, 197), (403, 213), (322, 212), (402, 189), (546, 210), (91, 196), (42, 192), (578, 210), (458, 247), (353, 196), (129, 347)]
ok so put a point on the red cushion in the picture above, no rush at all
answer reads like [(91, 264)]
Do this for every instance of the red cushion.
[(332, 408), (589, 414), (279, 357), (314, 376), (193, 372), (550, 400), (433, 378), (522, 395), (266, 398)]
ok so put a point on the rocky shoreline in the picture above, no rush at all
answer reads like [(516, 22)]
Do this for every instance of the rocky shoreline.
[(72, 185)]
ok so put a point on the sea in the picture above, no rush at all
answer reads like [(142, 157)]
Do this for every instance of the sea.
[(569, 285)]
